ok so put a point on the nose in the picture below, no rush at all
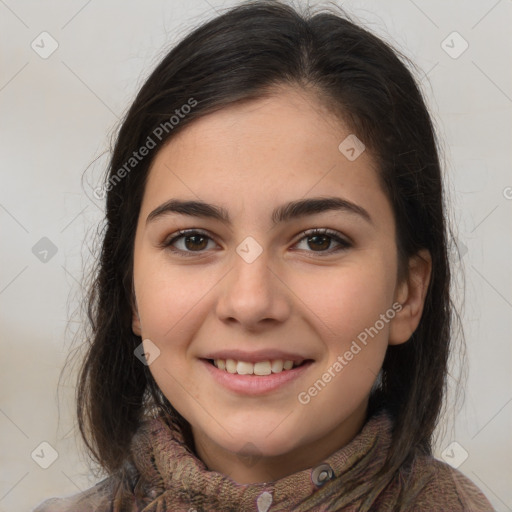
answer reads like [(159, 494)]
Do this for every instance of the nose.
[(253, 294)]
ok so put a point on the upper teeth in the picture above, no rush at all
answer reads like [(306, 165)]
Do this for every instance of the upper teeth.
[(246, 368)]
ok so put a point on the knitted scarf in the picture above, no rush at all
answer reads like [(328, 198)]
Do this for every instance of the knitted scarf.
[(162, 474), (179, 481)]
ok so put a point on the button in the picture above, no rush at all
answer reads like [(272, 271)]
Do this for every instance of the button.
[(322, 474), (264, 501)]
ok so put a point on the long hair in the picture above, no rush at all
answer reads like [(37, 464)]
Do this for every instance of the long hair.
[(238, 56)]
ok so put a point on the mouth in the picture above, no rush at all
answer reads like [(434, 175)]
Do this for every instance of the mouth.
[(260, 368), (258, 378)]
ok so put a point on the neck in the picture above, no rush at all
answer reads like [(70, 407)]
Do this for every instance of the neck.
[(254, 468)]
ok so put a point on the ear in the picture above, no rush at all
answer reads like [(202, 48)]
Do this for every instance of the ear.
[(411, 293), (136, 327)]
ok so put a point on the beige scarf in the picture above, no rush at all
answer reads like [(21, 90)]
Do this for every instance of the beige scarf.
[(164, 475), (181, 482)]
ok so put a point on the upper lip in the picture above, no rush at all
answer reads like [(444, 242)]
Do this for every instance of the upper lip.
[(256, 356)]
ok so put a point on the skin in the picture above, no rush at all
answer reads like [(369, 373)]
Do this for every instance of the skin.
[(297, 295)]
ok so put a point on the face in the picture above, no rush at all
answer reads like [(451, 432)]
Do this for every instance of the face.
[(250, 281)]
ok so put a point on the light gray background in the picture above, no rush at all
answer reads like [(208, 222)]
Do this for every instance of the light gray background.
[(56, 115)]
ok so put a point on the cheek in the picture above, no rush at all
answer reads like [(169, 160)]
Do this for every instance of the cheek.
[(171, 301), (348, 299), (345, 309), (167, 298)]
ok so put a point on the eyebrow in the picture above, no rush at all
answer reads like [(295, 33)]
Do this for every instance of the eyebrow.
[(283, 213)]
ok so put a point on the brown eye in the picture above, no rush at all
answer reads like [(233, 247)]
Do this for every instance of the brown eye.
[(188, 242), (321, 240), (195, 242)]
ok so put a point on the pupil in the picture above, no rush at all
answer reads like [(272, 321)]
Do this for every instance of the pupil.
[(194, 237), (325, 238)]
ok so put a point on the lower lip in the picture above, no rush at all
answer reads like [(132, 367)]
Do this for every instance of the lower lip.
[(255, 384)]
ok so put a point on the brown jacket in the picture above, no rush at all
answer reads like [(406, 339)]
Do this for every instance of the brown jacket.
[(164, 475)]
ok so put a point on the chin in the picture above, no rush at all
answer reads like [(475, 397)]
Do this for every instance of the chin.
[(256, 442)]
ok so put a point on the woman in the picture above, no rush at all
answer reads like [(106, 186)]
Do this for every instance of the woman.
[(271, 315)]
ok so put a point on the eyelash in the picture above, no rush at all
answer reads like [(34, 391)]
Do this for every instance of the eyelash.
[(329, 233)]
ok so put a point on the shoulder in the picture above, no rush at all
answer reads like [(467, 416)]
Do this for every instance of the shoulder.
[(446, 488), (97, 498), (110, 494)]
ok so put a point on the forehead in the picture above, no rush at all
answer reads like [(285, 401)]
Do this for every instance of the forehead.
[(283, 145), (290, 124)]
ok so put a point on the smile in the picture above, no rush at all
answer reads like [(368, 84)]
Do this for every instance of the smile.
[(259, 368), (247, 378)]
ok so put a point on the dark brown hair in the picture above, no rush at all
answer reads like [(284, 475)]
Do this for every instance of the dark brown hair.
[(242, 55)]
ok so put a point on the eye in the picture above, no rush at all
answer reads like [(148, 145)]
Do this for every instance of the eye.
[(322, 239), (190, 241)]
